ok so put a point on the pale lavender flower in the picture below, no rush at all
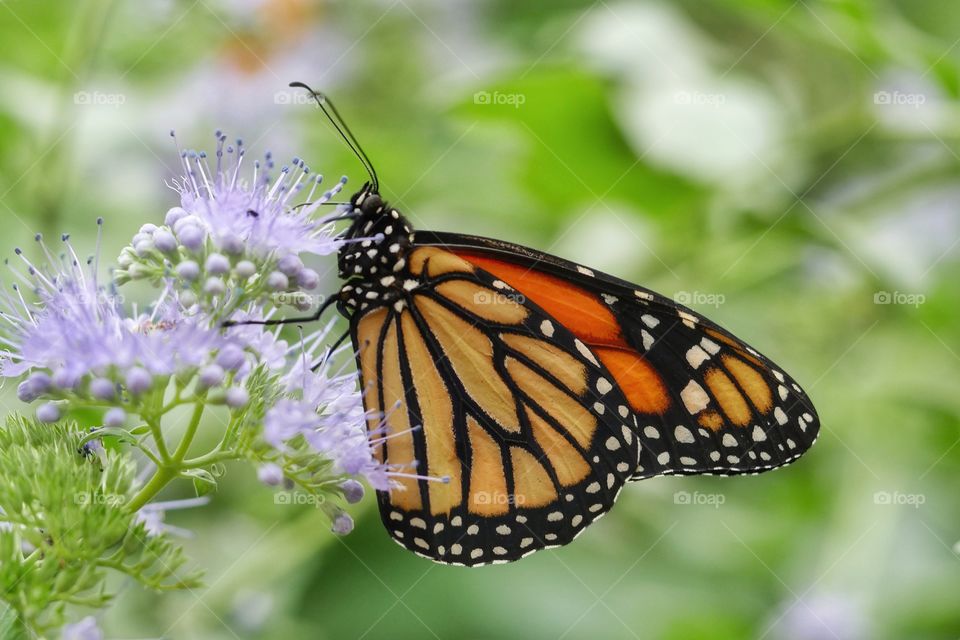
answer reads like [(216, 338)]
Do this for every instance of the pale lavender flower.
[(256, 216), (85, 629), (151, 516), (77, 340), (325, 408)]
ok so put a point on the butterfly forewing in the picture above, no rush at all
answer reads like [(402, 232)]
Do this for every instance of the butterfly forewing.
[(703, 401)]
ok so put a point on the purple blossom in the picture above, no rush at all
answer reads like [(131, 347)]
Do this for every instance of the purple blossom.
[(85, 629), (258, 214), (152, 515)]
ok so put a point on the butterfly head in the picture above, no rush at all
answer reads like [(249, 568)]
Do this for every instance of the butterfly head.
[(378, 240)]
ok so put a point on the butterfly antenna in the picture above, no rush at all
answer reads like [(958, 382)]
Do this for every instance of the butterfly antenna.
[(341, 126)]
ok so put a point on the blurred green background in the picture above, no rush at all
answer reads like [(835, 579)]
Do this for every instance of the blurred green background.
[(788, 168)]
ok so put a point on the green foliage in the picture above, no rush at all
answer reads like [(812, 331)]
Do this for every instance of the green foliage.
[(66, 525)]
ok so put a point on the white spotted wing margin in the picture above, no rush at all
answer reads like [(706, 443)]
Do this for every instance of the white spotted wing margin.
[(543, 503)]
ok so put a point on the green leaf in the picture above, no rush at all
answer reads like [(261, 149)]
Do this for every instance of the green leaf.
[(203, 481)]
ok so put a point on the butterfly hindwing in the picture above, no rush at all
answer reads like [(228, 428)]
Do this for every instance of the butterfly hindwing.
[(482, 388)]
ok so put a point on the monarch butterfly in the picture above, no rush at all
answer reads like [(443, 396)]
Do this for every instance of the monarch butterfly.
[(523, 391)]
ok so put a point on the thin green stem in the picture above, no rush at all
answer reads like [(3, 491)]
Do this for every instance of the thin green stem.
[(209, 458), (159, 480), (191, 431)]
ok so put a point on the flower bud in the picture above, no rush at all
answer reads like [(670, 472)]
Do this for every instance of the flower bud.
[(188, 270), (217, 264), (308, 279), (211, 376), (173, 215), (231, 244), (138, 380), (48, 412), (231, 357), (164, 241), (277, 281), (191, 236), (352, 491), (64, 379), (245, 269), (114, 417), (102, 389), (342, 524), (237, 397), (270, 475), (290, 265), (214, 286)]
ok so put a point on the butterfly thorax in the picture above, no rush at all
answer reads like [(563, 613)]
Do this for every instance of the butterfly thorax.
[(375, 253)]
